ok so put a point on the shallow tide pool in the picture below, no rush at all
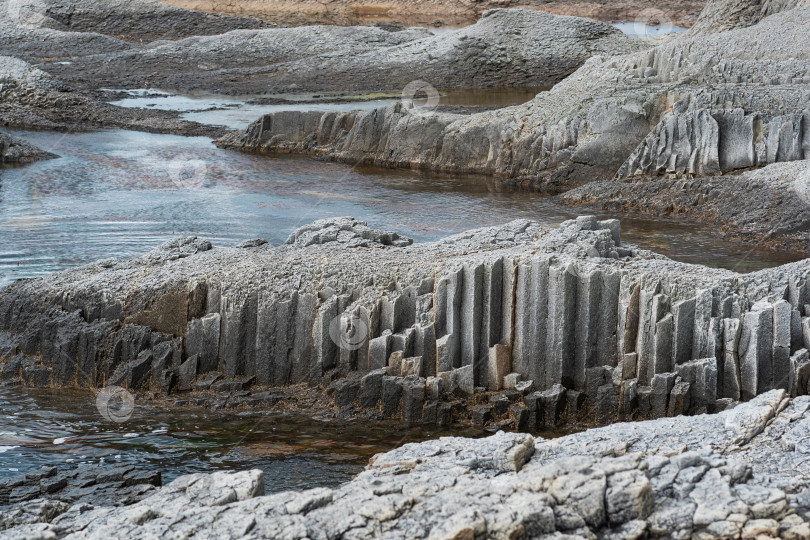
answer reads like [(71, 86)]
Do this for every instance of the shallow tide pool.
[(63, 428), (121, 193)]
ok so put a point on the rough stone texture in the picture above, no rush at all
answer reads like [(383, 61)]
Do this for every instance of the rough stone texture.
[(40, 496), (16, 150), (505, 48), (697, 105), (779, 218), (722, 15), (162, 308), (33, 100), (708, 476), (133, 20), (438, 13)]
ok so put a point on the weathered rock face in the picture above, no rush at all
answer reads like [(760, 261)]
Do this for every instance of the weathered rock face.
[(770, 205), (567, 323), (722, 15), (16, 150), (441, 12), (701, 105), (26, 497), (728, 475), (505, 48), (133, 20), (32, 99)]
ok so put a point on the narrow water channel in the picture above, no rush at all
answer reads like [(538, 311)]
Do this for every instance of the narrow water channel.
[(121, 193), (63, 428)]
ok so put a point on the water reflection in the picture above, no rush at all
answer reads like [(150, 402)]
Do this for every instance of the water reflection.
[(239, 112), (121, 193), (63, 428)]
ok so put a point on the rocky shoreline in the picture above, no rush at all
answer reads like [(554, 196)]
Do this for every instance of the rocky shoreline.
[(519, 327), (513, 328), (441, 13), (734, 474)]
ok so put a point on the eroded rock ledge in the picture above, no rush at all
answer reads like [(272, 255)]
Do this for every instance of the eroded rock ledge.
[(699, 105), (544, 325), (739, 473)]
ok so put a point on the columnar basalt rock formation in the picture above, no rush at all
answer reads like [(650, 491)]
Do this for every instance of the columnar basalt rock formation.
[(735, 474), (565, 323)]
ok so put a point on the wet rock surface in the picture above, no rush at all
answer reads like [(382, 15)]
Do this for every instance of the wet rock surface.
[(42, 495), (708, 476), (15, 150)]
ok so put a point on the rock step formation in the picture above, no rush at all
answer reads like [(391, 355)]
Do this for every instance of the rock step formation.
[(513, 47), (729, 475), (694, 105), (568, 318)]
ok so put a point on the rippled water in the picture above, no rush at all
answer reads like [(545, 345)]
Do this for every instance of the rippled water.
[(121, 193), (237, 113), (63, 428)]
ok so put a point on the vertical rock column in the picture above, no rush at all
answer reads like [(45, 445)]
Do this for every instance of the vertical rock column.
[(529, 351)]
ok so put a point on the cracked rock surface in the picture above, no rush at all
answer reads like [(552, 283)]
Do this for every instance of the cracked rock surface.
[(708, 476)]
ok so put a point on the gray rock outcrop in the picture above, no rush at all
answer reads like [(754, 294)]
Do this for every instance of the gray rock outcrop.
[(769, 206), (722, 15), (579, 323), (32, 99), (505, 48), (133, 20), (729, 475), (16, 150), (698, 105)]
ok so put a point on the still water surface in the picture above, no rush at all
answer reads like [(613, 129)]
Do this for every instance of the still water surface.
[(63, 428), (121, 193)]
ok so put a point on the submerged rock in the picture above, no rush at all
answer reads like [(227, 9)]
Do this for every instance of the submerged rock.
[(686, 477), (16, 150)]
